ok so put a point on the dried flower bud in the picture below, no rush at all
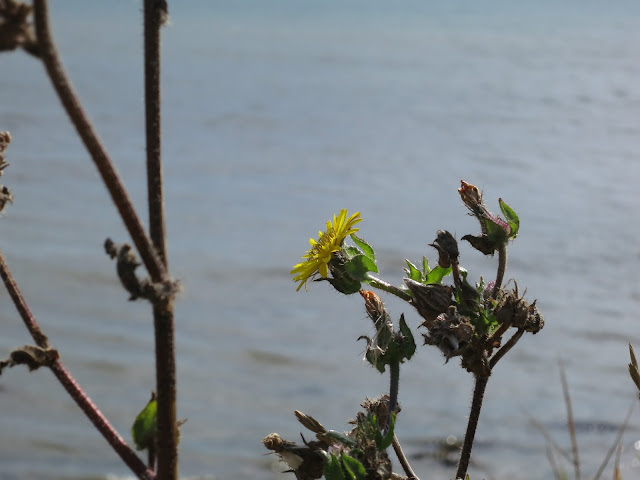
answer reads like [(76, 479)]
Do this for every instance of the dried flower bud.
[(5, 197), (375, 308), (15, 28), (306, 461), (471, 197), (429, 299), (447, 248)]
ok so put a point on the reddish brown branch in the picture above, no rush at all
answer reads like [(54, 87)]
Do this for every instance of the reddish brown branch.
[(93, 144), (21, 305), (114, 439), (129, 457)]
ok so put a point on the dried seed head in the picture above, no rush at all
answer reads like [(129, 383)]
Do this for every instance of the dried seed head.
[(447, 248), (429, 299), (515, 311), (451, 333)]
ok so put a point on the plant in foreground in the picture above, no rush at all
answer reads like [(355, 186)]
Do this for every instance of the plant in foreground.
[(26, 26), (463, 320)]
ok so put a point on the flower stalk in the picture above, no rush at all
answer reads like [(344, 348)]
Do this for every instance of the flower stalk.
[(387, 287)]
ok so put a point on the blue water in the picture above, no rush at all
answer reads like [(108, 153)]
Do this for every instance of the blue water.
[(276, 116)]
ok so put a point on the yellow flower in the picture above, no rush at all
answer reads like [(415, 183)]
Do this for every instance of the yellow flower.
[(321, 251)]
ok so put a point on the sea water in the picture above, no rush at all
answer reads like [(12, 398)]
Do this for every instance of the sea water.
[(277, 115)]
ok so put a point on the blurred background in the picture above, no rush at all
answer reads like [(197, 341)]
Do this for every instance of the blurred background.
[(277, 115)]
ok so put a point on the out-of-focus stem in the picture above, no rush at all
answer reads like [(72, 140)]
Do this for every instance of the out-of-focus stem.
[(96, 417), (153, 14), (92, 412), (403, 459), (93, 144), (21, 305), (167, 437)]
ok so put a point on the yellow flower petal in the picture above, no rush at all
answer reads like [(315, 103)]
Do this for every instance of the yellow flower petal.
[(323, 249)]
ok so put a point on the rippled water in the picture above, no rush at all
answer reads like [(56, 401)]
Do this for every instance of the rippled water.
[(276, 116)]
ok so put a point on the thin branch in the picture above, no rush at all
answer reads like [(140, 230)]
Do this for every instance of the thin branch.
[(21, 305), (570, 423), (92, 412), (474, 416), (506, 347), (93, 144), (403, 459), (64, 377), (617, 443)]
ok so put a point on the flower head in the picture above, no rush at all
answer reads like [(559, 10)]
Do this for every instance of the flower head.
[(323, 249)]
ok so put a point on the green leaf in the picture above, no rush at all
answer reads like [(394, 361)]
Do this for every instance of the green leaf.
[(353, 467), (352, 251), (425, 266), (144, 427), (359, 266), (364, 246), (495, 233), (412, 272), (340, 438), (437, 274), (511, 217), (408, 343), (333, 468)]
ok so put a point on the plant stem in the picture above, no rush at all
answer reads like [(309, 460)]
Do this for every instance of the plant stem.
[(153, 14), (167, 436), (92, 412), (93, 144), (394, 383), (129, 457), (474, 416), (505, 348), (21, 305), (403, 459), (387, 287), (502, 266)]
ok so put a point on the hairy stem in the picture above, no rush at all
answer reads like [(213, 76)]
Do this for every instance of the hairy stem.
[(403, 459), (167, 438), (153, 14), (93, 144), (387, 287), (92, 412), (394, 383), (96, 417), (502, 266), (21, 305), (474, 416)]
